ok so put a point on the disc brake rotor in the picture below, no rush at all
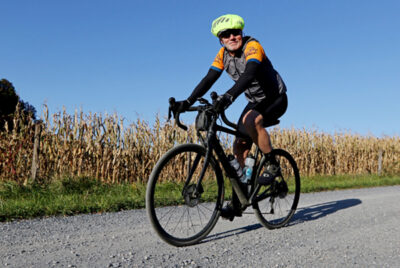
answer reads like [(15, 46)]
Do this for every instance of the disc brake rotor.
[(190, 196)]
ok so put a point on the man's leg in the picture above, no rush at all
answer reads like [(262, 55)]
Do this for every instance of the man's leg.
[(240, 149), (253, 122)]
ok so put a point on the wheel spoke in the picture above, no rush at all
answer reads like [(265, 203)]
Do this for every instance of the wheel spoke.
[(168, 213), (202, 205), (179, 221), (191, 223), (198, 212)]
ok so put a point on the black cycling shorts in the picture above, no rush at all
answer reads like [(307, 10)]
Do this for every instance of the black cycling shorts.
[(270, 110)]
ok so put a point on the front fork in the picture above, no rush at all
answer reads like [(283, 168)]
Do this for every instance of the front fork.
[(199, 189)]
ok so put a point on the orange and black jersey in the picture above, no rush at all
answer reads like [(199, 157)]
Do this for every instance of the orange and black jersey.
[(249, 68)]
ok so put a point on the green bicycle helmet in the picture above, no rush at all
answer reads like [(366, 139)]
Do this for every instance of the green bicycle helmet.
[(225, 22)]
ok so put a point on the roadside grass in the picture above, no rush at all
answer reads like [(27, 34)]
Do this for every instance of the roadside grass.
[(339, 182), (70, 196)]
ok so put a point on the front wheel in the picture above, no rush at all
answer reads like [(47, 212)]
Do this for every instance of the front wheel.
[(180, 210), (278, 201)]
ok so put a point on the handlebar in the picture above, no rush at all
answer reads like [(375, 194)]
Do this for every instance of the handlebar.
[(172, 108)]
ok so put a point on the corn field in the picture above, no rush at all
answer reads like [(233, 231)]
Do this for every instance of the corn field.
[(101, 146)]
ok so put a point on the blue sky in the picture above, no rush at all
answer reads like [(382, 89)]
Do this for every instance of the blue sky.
[(339, 59)]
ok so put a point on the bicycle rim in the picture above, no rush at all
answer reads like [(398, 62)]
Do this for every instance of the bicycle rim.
[(277, 209), (179, 215)]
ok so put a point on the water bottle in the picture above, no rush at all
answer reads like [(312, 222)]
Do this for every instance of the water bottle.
[(235, 164), (248, 168)]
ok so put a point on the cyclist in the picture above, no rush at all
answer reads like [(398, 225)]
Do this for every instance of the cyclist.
[(244, 59)]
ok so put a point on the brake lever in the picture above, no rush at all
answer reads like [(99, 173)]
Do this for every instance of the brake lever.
[(171, 107), (214, 96), (169, 114), (203, 101), (175, 113)]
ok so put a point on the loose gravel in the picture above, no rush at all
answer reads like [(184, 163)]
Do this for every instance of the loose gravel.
[(351, 228)]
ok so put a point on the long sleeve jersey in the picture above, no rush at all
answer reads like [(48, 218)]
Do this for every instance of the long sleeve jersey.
[(251, 70)]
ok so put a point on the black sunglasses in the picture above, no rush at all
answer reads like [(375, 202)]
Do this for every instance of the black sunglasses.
[(227, 33)]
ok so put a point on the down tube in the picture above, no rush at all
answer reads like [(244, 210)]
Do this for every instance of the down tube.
[(231, 173)]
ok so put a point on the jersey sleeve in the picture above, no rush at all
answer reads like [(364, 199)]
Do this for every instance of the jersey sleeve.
[(204, 85), (254, 52), (218, 63)]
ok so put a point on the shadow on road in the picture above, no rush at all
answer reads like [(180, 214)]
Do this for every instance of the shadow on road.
[(321, 210), (304, 214)]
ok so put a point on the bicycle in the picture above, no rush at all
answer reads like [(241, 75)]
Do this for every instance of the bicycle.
[(185, 191)]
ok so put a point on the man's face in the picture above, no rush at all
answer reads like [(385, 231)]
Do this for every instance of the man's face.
[(231, 39)]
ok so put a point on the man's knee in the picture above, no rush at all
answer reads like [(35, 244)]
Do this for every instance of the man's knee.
[(259, 121), (249, 120), (253, 120)]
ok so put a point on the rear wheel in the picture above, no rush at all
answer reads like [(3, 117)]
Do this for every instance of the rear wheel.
[(181, 212), (278, 201)]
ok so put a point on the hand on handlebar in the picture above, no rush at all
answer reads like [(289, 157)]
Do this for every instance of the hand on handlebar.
[(220, 103), (182, 106), (177, 107), (223, 102)]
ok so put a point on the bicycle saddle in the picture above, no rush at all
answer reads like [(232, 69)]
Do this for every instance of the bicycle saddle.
[(271, 123)]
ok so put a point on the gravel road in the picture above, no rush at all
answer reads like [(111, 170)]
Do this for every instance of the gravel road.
[(351, 228)]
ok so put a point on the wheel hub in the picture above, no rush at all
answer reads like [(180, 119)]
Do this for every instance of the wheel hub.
[(192, 198)]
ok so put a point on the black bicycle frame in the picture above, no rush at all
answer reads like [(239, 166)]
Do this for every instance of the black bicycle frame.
[(212, 144)]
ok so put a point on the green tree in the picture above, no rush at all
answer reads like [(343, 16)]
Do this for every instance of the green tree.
[(8, 103)]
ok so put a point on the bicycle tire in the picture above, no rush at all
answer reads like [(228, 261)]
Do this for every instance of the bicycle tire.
[(179, 218), (277, 210)]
